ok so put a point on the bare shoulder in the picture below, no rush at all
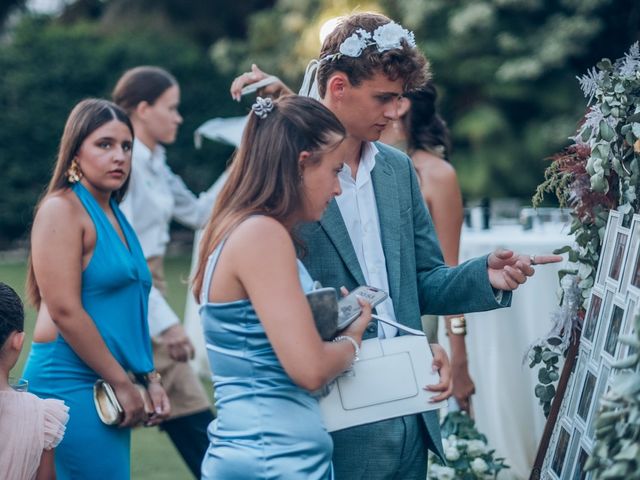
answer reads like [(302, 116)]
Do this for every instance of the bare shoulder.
[(61, 207), (433, 169), (260, 233)]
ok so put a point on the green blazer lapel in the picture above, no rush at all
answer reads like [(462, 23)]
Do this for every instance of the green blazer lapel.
[(334, 226), (386, 193)]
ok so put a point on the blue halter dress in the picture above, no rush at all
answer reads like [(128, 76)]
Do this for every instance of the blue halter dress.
[(267, 426), (115, 292)]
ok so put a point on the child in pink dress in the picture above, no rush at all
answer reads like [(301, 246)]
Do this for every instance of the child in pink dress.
[(30, 428)]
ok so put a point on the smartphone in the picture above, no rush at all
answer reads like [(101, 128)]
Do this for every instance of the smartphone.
[(348, 307), (252, 87), (324, 307)]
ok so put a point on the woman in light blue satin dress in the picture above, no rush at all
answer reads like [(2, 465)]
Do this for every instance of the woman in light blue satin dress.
[(261, 339)]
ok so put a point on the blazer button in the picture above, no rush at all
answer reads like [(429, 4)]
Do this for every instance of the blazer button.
[(371, 328)]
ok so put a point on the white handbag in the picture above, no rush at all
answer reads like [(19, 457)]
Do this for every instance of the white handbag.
[(386, 382)]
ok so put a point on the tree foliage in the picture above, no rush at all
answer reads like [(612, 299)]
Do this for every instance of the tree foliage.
[(505, 68), (47, 67)]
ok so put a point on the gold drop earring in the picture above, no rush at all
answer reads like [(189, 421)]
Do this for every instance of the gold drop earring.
[(74, 174)]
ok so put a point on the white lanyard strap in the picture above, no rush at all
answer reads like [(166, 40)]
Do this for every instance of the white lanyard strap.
[(393, 323)]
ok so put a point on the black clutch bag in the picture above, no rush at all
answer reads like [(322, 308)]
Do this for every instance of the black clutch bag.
[(324, 306)]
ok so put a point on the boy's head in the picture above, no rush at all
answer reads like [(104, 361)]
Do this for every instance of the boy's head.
[(381, 54), (366, 63), (11, 322)]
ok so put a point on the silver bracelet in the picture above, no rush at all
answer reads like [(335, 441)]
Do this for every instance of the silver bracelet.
[(356, 348)]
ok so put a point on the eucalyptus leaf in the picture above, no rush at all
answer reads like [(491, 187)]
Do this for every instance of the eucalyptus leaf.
[(630, 452), (606, 132), (554, 341), (560, 251), (543, 376), (629, 138), (604, 64), (627, 208), (630, 361), (599, 184), (630, 340), (634, 118), (584, 270), (627, 384)]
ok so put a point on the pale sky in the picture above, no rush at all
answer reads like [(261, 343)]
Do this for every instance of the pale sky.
[(45, 6)]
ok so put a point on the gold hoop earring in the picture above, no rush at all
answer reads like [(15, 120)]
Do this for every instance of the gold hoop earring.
[(74, 174)]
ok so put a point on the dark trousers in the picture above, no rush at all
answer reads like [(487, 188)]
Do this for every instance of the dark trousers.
[(189, 435), (394, 449)]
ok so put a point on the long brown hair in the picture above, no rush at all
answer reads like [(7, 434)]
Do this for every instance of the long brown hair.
[(426, 130), (86, 117), (264, 176)]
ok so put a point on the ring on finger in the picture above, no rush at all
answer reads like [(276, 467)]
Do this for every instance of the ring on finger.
[(532, 259)]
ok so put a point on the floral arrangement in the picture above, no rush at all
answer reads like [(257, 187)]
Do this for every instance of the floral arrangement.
[(616, 453), (597, 173), (600, 172), (466, 450), (386, 37)]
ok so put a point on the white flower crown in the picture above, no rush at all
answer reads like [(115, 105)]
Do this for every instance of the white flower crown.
[(385, 37)]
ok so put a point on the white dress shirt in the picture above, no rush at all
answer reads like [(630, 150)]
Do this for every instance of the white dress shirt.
[(155, 196), (357, 204)]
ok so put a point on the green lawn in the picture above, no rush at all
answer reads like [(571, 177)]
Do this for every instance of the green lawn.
[(153, 455)]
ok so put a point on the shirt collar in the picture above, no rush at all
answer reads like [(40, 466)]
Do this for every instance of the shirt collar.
[(367, 162), (368, 155), (144, 154)]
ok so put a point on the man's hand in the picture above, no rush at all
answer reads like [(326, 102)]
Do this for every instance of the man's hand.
[(440, 363), (179, 346), (273, 90), (507, 270)]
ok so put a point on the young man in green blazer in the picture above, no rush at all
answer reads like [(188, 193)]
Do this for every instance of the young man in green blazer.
[(379, 232)]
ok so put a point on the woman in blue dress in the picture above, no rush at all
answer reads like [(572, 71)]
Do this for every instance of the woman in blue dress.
[(263, 346), (90, 283)]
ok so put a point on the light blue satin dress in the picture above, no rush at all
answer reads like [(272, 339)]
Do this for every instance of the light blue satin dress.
[(267, 426)]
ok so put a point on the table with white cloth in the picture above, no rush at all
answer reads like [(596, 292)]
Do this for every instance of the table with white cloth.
[(506, 409)]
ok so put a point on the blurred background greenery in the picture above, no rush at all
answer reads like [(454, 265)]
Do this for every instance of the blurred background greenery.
[(505, 70)]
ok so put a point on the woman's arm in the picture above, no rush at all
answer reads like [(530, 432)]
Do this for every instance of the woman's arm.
[(260, 258), (274, 90), (190, 210), (46, 470), (58, 246), (441, 191)]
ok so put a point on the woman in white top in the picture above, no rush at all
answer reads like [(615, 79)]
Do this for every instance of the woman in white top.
[(156, 195)]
